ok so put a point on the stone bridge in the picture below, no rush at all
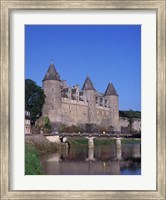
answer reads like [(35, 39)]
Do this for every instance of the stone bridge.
[(62, 137)]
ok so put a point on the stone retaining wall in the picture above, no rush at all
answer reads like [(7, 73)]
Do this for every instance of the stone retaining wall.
[(127, 124)]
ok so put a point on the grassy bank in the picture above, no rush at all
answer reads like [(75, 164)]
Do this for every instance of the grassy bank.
[(131, 141), (103, 141), (36, 145), (78, 141), (81, 141), (32, 160)]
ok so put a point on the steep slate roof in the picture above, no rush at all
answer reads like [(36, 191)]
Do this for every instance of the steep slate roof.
[(110, 90), (88, 85), (52, 74)]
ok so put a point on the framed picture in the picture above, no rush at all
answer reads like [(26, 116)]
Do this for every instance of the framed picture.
[(22, 24)]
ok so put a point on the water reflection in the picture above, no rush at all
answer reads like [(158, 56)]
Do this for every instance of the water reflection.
[(111, 159), (90, 155)]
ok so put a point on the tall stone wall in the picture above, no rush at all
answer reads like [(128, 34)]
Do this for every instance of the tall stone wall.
[(127, 124), (114, 111), (136, 125), (91, 99), (102, 116), (52, 106), (124, 121), (74, 113)]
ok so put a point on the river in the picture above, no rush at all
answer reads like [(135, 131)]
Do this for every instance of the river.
[(102, 160)]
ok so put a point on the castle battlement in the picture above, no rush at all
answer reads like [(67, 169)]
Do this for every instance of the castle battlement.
[(73, 106)]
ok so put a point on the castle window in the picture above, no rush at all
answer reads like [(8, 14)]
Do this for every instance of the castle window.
[(52, 98), (105, 102), (52, 89), (101, 102), (52, 107)]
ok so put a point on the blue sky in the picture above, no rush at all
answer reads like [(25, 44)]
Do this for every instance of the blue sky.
[(104, 52)]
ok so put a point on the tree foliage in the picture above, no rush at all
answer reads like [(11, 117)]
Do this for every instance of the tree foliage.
[(130, 114), (47, 123), (34, 99)]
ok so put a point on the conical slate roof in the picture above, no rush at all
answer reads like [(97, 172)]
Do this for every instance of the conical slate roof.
[(88, 85), (52, 74), (110, 90)]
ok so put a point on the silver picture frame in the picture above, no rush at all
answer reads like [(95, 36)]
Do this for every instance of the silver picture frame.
[(6, 7)]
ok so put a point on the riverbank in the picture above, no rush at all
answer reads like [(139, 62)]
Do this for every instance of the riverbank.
[(35, 146), (32, 160), (42, 144)]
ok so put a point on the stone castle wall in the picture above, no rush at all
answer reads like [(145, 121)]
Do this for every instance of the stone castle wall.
[(73, 106), (90, 109), (136, 125), (74, 113), (52, 106), (127, 124)]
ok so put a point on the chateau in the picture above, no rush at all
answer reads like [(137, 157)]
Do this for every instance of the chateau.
[(75, 105)]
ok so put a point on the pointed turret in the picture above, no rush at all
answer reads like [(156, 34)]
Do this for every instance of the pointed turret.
[(52, 74), (90, 96), (52, 91), (110, 90), (112, 100), (88, 85)]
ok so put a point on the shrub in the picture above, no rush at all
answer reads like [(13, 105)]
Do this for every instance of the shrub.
[(62, 128), (69, 129), (47, 124)]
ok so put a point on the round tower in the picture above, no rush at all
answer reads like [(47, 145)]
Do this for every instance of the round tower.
[(52, 91), (90, 93), (113, 103)]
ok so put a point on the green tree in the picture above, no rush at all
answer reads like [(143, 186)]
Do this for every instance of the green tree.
[(34, 99), (130, 114)]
